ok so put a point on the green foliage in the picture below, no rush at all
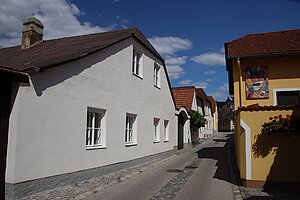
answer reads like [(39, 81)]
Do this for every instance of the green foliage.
[(278, 124), (197, 119)]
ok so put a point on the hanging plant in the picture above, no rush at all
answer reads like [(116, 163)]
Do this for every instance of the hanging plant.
[(278, 124)]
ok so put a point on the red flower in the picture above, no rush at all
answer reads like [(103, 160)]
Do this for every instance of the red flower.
[(271, 118), (276, 117), (287, 115), (279, 116)]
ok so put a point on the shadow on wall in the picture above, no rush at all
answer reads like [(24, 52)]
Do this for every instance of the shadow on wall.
[(285, 170), (220, 155), (51, 77)]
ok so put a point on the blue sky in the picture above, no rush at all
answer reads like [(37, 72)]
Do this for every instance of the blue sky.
[(189, 34)]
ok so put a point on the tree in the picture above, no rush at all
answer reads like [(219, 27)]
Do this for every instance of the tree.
[(197, 120)]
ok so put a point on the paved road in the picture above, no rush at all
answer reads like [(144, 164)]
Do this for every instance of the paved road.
[(173, 180)]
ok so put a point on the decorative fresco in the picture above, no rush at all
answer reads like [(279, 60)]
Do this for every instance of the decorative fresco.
[(257, 85)]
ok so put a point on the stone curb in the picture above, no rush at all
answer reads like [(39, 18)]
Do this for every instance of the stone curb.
[(234, 179)]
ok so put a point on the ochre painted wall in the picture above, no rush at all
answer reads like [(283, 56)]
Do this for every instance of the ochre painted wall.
[(274, 156), (284, 72)]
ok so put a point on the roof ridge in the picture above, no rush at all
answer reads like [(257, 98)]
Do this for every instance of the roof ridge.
[(105, 32), (263, 33), (133, 30), (184, 87)]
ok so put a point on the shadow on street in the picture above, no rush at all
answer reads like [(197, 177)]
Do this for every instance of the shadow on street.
[(220, 155)]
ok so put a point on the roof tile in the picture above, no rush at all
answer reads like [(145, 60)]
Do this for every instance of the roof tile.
[(280, 42)]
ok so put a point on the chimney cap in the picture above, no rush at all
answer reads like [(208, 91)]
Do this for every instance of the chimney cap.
[(33, 20)]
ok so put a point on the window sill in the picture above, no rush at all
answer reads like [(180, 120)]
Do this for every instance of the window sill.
[(166, 140), (157, 87), (95, 147), (137, 76), (131, 144), (156, 141)]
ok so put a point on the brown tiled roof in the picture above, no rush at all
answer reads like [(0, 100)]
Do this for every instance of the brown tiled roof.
[(271, 43), (59, 51), (202, 95), (213, 104), (183, 97)]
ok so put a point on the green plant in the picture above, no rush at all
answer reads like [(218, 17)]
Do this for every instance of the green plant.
[(197, 119), (278, 124)]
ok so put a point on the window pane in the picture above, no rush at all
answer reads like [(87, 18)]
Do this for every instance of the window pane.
[(89, 137), (89, 119), (130, 136), (288, 98), (97, 136), (97, 120), (130, 122)]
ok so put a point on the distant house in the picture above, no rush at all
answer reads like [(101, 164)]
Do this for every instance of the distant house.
[(264, 77), (86, 104), (225, 121), (214, 111), (190, 98)]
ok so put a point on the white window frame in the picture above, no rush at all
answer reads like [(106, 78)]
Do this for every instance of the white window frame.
[(275, 90), (156, 130), (137, 63), (166, 130), (91, 130), (130, 133), (156, 75)]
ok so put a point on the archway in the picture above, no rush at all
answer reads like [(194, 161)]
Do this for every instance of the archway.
[(182, 119)]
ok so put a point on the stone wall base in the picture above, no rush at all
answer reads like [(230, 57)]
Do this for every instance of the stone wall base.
[(19, 190)]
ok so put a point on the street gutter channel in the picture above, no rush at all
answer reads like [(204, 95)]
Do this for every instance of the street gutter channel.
[(170, 190), (233, 176)]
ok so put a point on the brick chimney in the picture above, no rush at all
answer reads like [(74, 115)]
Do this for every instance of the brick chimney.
[(32, 33)]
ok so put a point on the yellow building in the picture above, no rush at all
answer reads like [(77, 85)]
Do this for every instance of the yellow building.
[(264, 77)]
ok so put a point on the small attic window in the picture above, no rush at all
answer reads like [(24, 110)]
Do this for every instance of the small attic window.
[(137, 65)]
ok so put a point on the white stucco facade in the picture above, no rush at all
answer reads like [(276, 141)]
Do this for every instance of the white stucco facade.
[(47, 133), (204, 108)]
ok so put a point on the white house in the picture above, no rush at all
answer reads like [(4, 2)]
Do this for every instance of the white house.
[(190, 98), (91, 101), (214, 111)]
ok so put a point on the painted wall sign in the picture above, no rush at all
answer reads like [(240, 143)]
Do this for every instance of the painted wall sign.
[(257, 84)]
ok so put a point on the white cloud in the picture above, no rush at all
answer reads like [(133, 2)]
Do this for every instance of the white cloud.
[(175, 71), (210, 59), (185, 82), (176, 60), (201, 84), (58, 16), (173, 64), (210, 72), (170, 45), (197, 84)]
